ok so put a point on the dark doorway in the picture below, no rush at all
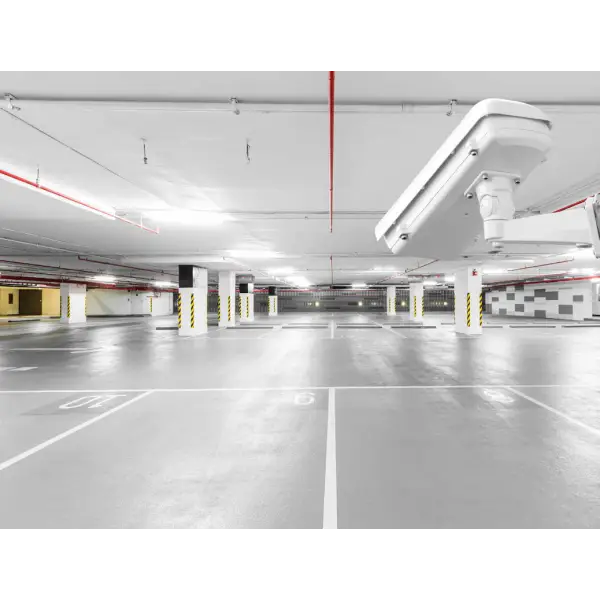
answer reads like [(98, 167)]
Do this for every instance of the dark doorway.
[(30, 302)]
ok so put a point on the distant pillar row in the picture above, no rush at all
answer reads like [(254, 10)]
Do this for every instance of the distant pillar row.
[(417, 302), (192, 302), (468, 304), (391, 300), (72, 303), (246, 302), (273, 308)]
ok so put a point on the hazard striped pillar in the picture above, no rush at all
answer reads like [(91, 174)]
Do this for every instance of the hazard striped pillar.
[(416, 302), (247, 302), (391, 300), (192, 302), (272, 301), (468, 312), (73, 303), (226, 313)]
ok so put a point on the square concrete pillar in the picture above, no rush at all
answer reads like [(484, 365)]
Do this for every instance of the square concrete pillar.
[(468, 301), (192, 303), (391, 300), (72, 303), (226, 308), (246, 302), (417, 302), (272, 299)]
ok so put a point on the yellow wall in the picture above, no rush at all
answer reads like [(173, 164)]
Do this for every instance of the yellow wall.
[(51, 302), (5, 307)]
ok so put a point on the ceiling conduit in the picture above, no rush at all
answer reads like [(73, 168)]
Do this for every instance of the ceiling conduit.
[(331, 136), (35, 186)]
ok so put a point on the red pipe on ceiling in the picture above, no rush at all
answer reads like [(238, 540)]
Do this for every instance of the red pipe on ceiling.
[(89, 284), (102, 262), (570, 205), (542, 281), (331, 135), (558, 262), (43, 188)]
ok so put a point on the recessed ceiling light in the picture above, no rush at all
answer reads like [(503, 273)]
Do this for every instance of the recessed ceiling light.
[(165, 284), (104, 278), (359, 284)]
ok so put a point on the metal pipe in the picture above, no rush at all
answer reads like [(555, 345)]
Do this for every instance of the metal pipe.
[(331, 141), (61, 196), (102, 262), (394, 107), (570, 205)]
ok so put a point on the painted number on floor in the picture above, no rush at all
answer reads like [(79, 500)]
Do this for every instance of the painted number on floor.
[(90, 401)]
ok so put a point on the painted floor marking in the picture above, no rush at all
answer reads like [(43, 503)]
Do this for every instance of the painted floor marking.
[(19, 457), (330, 498), (313, 387), (556, 412)]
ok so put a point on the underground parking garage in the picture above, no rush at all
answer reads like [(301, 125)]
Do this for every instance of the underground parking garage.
[(248, 345)]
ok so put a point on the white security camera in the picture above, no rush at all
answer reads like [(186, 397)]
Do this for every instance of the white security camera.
[(491, 152)]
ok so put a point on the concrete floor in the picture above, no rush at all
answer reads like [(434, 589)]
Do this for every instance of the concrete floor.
[(316, 420)]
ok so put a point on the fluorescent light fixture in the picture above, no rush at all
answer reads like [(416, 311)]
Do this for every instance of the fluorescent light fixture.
[(186, 217), (360, 303), (430, 282), (105, 278), (450, 278), (299, 281), (252, 254), (281, 271), (359, 284), (316, 303), (165, 284)]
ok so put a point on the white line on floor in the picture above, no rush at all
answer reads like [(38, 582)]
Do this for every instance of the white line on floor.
[(60, 436), (330, 499), (555, 411), (313, 387)]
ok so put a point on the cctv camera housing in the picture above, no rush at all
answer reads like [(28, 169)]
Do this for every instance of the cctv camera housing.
[(472, 177)]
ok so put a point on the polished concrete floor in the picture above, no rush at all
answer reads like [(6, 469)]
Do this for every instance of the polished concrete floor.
[(304, 421)]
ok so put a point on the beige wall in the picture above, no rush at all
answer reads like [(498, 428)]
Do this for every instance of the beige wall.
[(5, 307), (51, 302)]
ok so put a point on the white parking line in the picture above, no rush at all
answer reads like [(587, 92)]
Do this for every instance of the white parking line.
[(555, 411), (330, 498), (19, 457), (316, 387)]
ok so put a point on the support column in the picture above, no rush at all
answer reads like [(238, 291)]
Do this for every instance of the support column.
[(226, 308), (417, 302), (72, 303), (468, 301), (273, 308), (246, 302), (192, 303), (391, 300)]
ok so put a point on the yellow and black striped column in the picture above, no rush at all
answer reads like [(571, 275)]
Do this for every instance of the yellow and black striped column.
[(192, 307), (391, 300), (179, 315), (417, 302), (481, 309), (272, 301), (73, 303), (468, 310)]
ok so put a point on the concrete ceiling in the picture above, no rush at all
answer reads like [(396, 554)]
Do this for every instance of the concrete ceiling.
[(276, 203)]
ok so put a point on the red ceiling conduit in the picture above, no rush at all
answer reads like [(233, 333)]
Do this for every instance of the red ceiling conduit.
[(570, 205), (542, 281), (101, 262), (331, 132), (558, 262), (34, 185), (89, 284)]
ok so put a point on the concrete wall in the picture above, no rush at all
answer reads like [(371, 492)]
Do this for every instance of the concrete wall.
[(5, 307), (51, 302), (572, 301), (124, 303)]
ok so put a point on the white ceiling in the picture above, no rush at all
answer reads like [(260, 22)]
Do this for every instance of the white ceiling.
[(277, 202)]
